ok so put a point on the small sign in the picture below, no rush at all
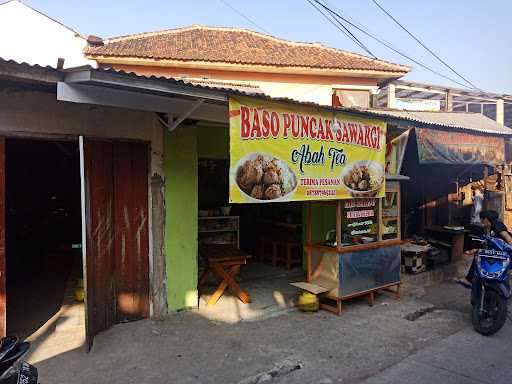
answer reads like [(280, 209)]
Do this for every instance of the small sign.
[(418, 104)]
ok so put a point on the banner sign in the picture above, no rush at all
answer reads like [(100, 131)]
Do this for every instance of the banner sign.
[(418, 104), (442, 147), (284, 153), (395, 150)]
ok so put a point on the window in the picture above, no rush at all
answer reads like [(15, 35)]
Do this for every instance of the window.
[(352, 98)]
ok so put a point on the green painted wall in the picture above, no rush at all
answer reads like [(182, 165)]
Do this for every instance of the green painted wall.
[(180, 165), (323, 219), (213, 142)]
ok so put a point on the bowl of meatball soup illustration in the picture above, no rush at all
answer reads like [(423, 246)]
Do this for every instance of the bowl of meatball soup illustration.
[(261, 177), (363, 178)]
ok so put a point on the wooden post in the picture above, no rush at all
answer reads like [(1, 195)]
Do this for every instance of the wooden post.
[(391, 96), (379, 217), (500, 112), (338, 225), (309, 239), (449, 101), (486, 175)]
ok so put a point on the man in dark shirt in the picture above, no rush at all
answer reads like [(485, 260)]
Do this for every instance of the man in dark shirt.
[(492, 227)]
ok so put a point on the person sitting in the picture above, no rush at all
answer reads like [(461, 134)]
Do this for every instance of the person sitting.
[(494, 227)]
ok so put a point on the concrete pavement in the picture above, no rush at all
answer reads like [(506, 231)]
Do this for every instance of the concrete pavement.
[(464, 357), (365, 345)]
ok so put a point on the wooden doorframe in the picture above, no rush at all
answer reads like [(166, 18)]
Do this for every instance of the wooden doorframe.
[(115, 231), (3, 269), (84, 210)]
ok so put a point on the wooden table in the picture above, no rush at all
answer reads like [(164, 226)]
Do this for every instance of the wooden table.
[(223, 261), (453, 239), (284, 241)]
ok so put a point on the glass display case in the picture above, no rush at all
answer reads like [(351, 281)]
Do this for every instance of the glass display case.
[(362, 254), (390, 221)]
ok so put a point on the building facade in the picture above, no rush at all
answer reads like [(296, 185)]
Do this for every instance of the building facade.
[(276, 67)]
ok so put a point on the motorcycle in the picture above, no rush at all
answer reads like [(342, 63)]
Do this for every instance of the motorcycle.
[(13, 370), (490, 289)]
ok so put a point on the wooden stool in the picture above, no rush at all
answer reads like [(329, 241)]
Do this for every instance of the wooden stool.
[(287, 252), (265, 249), (293, 253), (224, 261)]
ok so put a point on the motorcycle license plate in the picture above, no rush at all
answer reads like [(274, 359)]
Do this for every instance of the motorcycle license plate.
[(492, 253), (28, 374)]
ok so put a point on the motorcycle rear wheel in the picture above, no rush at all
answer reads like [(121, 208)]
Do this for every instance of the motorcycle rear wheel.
[(494, 315)]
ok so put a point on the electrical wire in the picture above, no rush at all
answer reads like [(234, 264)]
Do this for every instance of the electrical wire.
[(342, 28), (387, 45), (424, 46), (244, 16)]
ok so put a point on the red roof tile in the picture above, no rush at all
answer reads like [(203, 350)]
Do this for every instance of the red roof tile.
[(235, 46)]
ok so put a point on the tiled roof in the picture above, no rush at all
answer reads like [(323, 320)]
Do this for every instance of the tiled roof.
[(236, 46), (461, 120)]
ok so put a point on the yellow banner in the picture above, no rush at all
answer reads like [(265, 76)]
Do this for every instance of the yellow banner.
[(284, 153)]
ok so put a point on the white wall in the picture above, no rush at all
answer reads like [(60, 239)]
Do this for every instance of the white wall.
[(316, 93), (29, 36)]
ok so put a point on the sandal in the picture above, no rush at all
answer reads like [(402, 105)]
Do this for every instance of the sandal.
[(462, 281)]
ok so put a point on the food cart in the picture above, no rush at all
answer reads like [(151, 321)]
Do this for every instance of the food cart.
[(362, 254)]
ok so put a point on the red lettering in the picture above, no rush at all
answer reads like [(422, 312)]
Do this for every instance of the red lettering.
[(346, 137), (320, 134), (353, 132), (266, 124), (312, 127), (287, 122), (304, 126), (360, 137), (375, 138), (328, 130), (274, 124), (245, 125), (367, 139), (295, 126), (256, 130)]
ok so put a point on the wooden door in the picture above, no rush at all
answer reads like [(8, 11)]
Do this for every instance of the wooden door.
[(131, 231), (3, 289), (99, 237), (116, 252)]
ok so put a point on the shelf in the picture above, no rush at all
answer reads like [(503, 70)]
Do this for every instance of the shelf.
[(217, 217), (390, 218), (217, 230)]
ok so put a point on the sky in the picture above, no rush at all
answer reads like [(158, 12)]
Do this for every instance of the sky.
[(473, 36)]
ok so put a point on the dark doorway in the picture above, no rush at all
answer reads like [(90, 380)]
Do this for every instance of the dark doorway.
[(43, 229)]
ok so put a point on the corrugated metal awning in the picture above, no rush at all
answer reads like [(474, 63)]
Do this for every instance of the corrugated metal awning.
[(461, 120)]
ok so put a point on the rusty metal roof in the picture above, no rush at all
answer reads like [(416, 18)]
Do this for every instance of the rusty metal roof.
[(455, 120), (227, 85), (460, 120), (30, 72)]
